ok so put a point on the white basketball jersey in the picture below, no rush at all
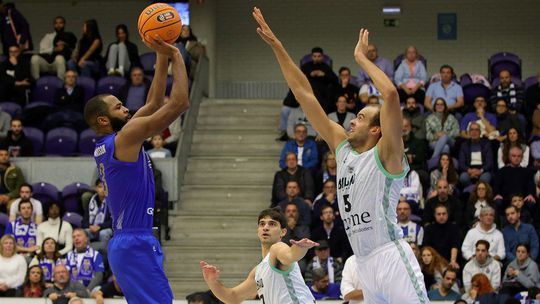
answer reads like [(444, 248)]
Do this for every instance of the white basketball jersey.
[(367, 196), (275, 286)]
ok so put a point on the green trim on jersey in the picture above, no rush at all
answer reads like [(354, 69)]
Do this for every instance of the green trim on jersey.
[(383, 170), (282, 272), (290, 289), (341, 144), (410, 272)]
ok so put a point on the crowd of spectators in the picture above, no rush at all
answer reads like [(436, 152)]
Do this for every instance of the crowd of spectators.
[(468, 204)]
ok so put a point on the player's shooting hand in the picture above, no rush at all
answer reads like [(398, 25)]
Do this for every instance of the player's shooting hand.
[(160, 46), (361, 49), (264, 30), (305, 243), (210, 272)]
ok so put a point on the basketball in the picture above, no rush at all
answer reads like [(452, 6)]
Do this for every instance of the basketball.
[(161, 19)]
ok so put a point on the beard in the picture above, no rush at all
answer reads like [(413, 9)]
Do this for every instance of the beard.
[(118, 123)]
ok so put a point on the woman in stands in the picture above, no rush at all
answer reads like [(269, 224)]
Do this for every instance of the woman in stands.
[(48, 257), (513, 139), (482, 292), (446, 170), (87, 57), (328, 171), (411, 76), (433, 265), (481, 196), (33, 286), (12, 267), (442, 128), (122, 54), (521, 274)]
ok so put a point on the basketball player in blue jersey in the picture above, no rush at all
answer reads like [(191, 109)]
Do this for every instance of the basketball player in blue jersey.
[(370, 172), (124, 168)]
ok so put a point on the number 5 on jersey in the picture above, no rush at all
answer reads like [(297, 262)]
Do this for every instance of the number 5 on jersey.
[(347, 203)]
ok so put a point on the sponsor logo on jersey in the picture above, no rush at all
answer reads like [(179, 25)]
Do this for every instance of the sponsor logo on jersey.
[(346, 181), (357, 222), (99, 151), (259, 284)]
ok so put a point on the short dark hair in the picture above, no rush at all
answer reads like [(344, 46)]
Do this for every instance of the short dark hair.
[(482, 242), (16, 119), (26, 185), (275, 214), (449, 269), (298, 125), (60, 17), (319, 274), (326, 206), (524, 245), (446, 66), (512, 207), (344, 68), (317, 49), (440, 206), (25, 201), (95, 107), (516, 195)]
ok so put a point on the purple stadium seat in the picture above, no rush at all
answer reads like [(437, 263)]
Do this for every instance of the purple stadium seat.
[(110, 85), (400, 57), (473, 90), (504, 56), (87, 142), (45, 192), (307, 58), (4, 219), (70, 196), (529, 82), (61, 141), (36, 137), (12, 108), (45, 88), (497, 81), (148, 61), (73, 218), (89, 86), (465, 79), (2, 58), (512, 67)]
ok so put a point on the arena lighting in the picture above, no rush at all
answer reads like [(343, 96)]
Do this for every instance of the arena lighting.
[(391, 10)]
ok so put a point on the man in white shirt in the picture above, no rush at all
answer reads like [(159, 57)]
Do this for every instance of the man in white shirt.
[(25, 193), (350, 284), (485, 230)]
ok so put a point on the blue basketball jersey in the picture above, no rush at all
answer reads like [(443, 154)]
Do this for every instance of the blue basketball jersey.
[(129, 186)]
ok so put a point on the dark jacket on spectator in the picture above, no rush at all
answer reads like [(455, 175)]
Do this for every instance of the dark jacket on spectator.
[(442, 237), (302, 176), (514, 180), (465, 154), (418, 149), (21, 27), (304, 211), (453, 204), (532, 99), (23, 145), (73, 102), (337, 241)]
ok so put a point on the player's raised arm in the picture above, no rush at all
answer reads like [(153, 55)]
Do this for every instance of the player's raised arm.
[(390, 145), (131, 136), (246, 290), (330, 131), (286, 255)]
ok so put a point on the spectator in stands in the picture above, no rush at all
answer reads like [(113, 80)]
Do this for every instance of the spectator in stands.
[(526, 210), (442, 128), (410, 76), (122, 54), (341, 116), (513, 139), (321, 77), (446, 89), (5, 123), (381, 62), (351, 290), (158, 151), (57, 229), (11, 179), (14, 28), (347, 89), (444, 291), (412, 190), (509, 91), (412, 111), (64, 288), (333, 233), (89, 269), (475, 158), (481, 196), (506, 120), (71, 95), (34, 285), (25, 193), (12, 267), (445, 170), (87, 57), (15, 78), (17, 142), (482, 262), (24, 230), (443, 197), (443, 236), (370, 95), (172, 133), (134, 92), (415, 149), (111, 289), (297, 116), (486, 120), (292, 172), (304, 148), (293, 192), (433, 266), (55, 50), (323, 259), (97, 221), (323, 288), (513, 179), (327, 197), (194, 48), (485, 230), (286, 125), (532, 98), (47, 258), (412, 232), (328, 171), (415, 250), (521, 274), (516, 232), (294, 230)]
